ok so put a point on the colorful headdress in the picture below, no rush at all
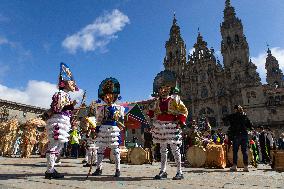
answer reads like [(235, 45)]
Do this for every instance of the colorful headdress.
[(109, 85), (165, 78), (65, 75)]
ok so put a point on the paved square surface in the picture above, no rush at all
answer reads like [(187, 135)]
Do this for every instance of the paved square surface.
[(29, 173)]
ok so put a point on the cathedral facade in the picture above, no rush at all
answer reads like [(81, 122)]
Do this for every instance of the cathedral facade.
[(211, 89)]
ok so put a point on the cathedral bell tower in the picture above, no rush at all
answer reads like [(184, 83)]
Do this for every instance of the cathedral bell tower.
[(235, 50), (274, 75), (175, 58)]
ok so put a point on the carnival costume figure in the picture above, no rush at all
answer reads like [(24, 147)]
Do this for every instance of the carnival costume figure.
[(90, 137), (109, 123), (168, 114), (59, 119), (9, 133), (43, 143), (28, 139)]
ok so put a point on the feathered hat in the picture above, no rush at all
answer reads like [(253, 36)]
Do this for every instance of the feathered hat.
[(109, 86), (165, 78), (65, 75)]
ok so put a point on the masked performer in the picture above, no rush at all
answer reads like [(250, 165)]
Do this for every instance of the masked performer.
[(9, 138), (91, 149), (109, 123), (59, 123), (168, 114)]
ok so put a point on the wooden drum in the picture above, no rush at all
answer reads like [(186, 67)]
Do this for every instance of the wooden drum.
[(278, 160), (123, 155), (215, 156), (196, 156), (139, 156)]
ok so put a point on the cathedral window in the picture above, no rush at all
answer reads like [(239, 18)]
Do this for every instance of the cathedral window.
[(271, 100), (253, 94), (277, 100), (202, 111), (229, 40), (224, 110), (237, 38), (204, 92), (203, 77), (248, 94), (171, 55)]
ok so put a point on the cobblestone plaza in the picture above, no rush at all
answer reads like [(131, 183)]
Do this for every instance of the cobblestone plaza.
[(29, 173)]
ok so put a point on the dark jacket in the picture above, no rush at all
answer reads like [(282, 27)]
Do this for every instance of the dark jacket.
[(239, 124)]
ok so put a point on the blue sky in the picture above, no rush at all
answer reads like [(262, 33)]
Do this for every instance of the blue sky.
[(123, 39)]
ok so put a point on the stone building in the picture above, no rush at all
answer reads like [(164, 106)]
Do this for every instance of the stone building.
[(211, 89), (22, 112)]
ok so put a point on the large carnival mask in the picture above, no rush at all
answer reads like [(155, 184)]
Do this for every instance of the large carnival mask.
[(165, 84), (66, 79), (70, 86), (109, 98), (164, 91), (109, 90)]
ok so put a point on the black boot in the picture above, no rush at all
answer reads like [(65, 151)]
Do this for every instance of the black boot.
[(54, 175), (117, 173), (98, 172), (84, 161), (161, 175), (178, 176), (87, 165)]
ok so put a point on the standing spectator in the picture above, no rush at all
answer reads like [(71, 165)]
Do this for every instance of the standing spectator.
[(269, 142), (148, 142), (263, 148), (281, 142), (239, 125), (75, 137)]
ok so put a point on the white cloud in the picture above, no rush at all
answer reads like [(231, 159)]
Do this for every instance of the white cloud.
[(36, 93), (260, 60), (191, 50), (4, 41), (98, 34)]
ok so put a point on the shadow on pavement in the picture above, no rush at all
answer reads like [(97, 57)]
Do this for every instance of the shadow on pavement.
[(18, 176), (38, 165), (103, 178), (206, 171), (78, 177)]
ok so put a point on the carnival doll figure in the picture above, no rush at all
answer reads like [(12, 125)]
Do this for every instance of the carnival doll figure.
[(90, 137), (59, 119), (168, 114), (109, 123)]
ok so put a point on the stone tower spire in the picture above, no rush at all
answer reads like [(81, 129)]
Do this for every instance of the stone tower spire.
[(234, 46), (175, 58), (228, 3), (235, 49), (274, 75), (201, 52)]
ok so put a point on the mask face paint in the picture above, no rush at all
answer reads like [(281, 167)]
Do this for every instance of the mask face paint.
[(70, 86), (164, 91), (108, 98)]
